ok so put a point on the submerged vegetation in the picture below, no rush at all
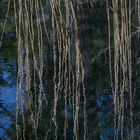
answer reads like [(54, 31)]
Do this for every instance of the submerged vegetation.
[(77, 59)]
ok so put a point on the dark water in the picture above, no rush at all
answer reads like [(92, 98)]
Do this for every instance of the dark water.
[(93, 37), (99, 108)]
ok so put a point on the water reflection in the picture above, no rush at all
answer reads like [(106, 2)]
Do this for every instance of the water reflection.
[(7, 96), (105, 115)]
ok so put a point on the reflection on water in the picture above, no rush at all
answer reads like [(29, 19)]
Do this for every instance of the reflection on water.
[(8, 69), (7, 96), (94, 41), (105, 113)]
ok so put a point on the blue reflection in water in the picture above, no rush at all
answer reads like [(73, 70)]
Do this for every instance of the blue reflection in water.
[(7, 98), (105, 109)]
